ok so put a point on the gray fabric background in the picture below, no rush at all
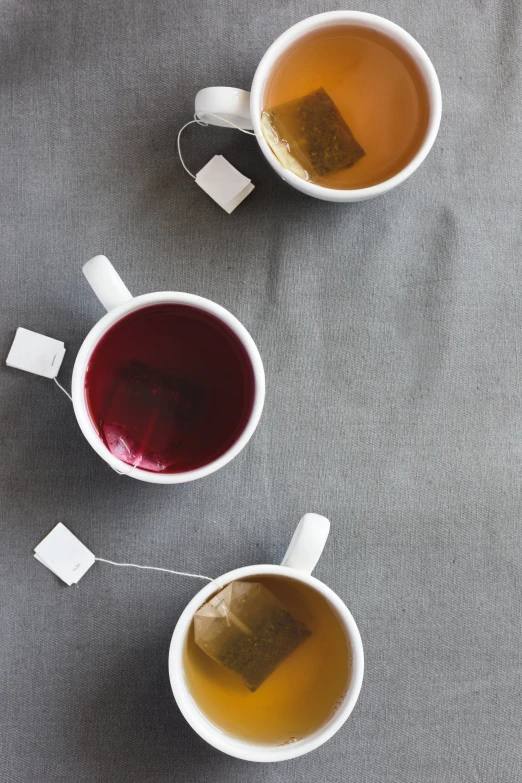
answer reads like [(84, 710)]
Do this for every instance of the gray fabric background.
[(390, 333)]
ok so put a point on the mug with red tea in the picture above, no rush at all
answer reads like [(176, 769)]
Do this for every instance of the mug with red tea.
[(167, 387)]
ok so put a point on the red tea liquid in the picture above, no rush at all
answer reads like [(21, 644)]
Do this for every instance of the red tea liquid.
[(169, 388)]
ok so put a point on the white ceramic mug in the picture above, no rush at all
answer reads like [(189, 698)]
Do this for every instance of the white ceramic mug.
[(298, 563), (244, 109), (116, 297)]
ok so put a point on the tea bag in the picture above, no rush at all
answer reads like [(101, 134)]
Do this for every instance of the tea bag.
[(246, 629), (309, 136), (163, 411)]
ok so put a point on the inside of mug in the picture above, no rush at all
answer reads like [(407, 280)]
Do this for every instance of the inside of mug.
[(169, 389), (301, 697), (346, 105)]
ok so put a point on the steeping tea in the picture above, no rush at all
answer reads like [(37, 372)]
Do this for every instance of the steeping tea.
[(169, 388), (308, 681), (246, 629), (321, 140), (345, 107)]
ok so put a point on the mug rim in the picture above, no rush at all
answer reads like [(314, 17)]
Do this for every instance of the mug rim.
[(375, 22), (101, 327), (242, 749)]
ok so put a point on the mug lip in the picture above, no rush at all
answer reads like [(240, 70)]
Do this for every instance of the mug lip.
[(101, 327), (243, 749), (375, 22)]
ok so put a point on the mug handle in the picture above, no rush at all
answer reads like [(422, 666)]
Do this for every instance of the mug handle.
[(106, 282), (307, 544), (224, 106)]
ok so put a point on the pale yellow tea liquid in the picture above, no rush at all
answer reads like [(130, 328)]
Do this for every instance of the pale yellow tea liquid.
[(299, 696), (375, 85)]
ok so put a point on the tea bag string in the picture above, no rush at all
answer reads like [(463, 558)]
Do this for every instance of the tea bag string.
[(57, 382), (119, 472), (198, 121), (135, 565), (153, 568)]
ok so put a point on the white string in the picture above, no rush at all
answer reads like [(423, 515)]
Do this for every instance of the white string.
[(153, 568), (198, 121), (127, 472), (61, 387), (119, 472), (134, 565), (223, 119)]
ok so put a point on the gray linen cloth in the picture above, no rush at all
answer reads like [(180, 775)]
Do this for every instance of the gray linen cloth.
[(390, 332)]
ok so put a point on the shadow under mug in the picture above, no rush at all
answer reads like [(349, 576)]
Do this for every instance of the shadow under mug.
[(245, 108), (119, 302), (298, 563)]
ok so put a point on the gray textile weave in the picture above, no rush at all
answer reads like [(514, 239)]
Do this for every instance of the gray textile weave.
[(390, 332)]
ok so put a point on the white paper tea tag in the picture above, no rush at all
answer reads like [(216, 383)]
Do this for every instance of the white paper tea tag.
[(36, 353), (64, 555), (224, 183)]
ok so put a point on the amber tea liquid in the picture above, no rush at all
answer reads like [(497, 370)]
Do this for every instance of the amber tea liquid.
[(299, 696), (375, 85)]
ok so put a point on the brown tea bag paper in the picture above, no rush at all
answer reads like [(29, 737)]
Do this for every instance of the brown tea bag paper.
[(246, 629), (309, 136)]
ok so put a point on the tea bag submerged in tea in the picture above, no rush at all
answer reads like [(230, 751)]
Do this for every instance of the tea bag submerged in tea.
[(246, 629), (149, 417), (310, 137)]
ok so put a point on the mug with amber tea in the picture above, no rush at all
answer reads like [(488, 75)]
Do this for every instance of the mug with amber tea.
[(310, 694), (345, 105)]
